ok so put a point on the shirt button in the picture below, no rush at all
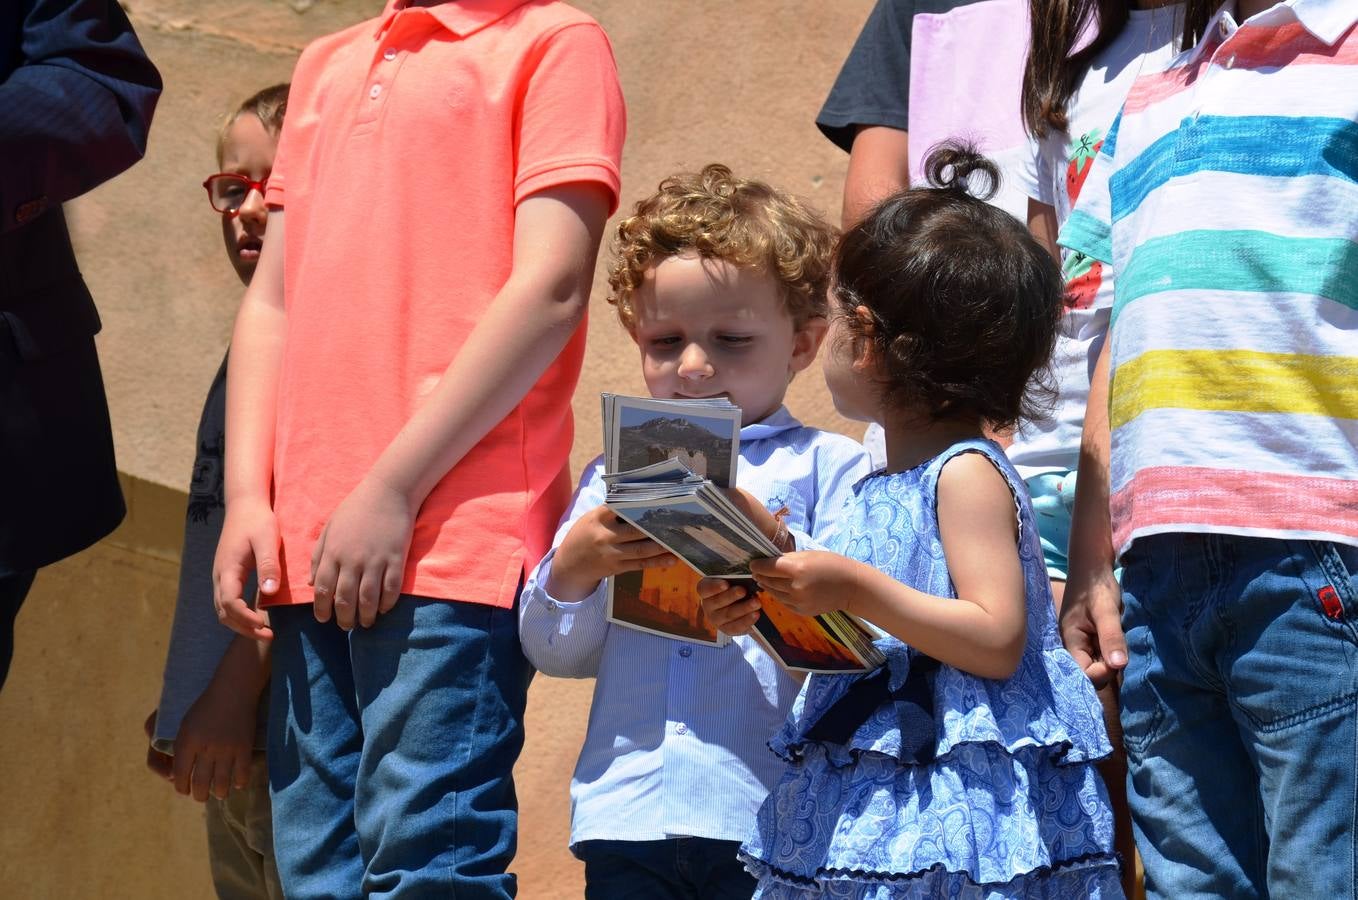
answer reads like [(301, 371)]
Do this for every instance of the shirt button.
[(685, 652), (1230, 61), (389, 54), (1221, 25), (551, 604), (374, 91), (681, 728)]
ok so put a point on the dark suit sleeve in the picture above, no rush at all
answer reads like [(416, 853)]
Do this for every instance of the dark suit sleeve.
[(75, 110)]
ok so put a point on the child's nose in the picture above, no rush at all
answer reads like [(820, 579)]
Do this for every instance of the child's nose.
[(252, 208), (693, 363)]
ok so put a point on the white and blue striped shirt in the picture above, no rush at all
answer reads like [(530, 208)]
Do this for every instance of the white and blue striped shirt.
[(676, 745)]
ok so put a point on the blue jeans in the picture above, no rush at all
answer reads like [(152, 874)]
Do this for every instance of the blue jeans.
[(391, 751), (688, 868), (1240, 715)]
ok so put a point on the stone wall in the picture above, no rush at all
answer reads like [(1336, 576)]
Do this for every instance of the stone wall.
[(705, 81)]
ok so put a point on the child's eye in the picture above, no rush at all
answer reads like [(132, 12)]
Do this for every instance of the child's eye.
[(665, 342), (736, 340)]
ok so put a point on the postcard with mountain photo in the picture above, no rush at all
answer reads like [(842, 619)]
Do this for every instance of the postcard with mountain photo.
[(702, 434), (705, 436)]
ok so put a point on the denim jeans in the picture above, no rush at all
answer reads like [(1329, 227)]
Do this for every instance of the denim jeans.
[(688, 868), (1240, 715), (391, 751)]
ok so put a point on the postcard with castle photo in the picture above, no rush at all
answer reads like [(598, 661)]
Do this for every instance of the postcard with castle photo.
[(703, 435)]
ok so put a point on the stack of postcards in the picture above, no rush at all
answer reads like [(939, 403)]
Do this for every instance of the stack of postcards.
[(667, 462)]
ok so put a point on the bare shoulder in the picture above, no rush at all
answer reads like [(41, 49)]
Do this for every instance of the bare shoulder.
[(972, 492)]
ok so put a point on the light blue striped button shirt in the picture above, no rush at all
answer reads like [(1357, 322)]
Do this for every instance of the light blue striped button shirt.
[(676, 745)]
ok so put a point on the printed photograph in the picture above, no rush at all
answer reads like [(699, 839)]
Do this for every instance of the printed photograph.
[(649, 432), (801, 642), (694, 534), (662, 601)]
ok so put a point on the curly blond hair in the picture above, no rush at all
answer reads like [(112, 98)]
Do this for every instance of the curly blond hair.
[(718, 216)]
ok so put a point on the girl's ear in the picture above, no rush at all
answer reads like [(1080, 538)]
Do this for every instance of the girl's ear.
[(806, 343), (865, 359)]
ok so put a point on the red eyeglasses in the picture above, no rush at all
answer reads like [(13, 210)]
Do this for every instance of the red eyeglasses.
[(227, 191)]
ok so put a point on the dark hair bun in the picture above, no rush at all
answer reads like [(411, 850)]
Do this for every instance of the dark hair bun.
[(956, 166)]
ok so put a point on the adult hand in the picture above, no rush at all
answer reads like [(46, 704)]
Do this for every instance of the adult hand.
[(1091, 624), (249, 542), (598, 545), (359, 561)]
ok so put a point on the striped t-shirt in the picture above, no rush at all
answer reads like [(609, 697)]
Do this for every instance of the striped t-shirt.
[(1226, 199)]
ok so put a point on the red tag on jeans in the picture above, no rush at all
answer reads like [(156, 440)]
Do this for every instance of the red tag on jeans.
[(1329, 598)]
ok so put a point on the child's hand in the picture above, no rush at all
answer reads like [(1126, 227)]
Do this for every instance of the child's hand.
[(730, 608), (249, 541), (755, 511), (359, 561), (810, 582), (216, 740), (598, 545), (1091, 624), (159, 763)]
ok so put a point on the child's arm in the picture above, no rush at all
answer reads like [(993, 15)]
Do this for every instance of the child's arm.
[(360, 557), (1091, 612), (250, 532), (982, 632), (216, 740), (598, 545), (562, 609)]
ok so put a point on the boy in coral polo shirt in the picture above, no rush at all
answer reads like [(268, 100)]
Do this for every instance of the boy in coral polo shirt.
[(398, 439)]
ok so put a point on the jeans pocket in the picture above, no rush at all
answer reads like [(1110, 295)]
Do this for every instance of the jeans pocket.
[(1333, 592), (1142, 709)]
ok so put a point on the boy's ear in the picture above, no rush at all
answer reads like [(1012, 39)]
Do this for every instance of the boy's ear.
[(806, 343)]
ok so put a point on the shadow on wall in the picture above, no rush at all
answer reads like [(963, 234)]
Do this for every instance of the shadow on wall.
[(82, 817)]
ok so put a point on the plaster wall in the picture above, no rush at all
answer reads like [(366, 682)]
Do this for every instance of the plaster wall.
[(704, 80)]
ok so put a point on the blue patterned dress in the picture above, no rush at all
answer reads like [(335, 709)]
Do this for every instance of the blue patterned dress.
[(920, 780)]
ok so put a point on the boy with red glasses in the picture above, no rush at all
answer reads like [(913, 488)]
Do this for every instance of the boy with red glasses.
[(206, 734), (400, 426)]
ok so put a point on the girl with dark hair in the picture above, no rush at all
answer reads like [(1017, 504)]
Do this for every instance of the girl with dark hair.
[(964, 766)]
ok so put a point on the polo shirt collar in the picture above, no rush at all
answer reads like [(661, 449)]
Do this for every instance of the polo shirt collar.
[(1328, 20), (461, 17), (773, 424)]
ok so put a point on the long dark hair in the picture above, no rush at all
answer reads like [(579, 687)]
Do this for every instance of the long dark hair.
[(1054, 67), (1053, 71)]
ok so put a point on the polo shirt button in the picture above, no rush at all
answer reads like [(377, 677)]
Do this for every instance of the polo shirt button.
[(389, 54), (374, 91), (1221, 25), (552, 604), (685, 651), (1230, 61), (681, 728)]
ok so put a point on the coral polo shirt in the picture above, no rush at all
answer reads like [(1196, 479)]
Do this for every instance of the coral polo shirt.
[(409, 141)]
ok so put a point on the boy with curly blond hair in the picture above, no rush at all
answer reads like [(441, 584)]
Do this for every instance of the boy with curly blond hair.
[(721, 282)]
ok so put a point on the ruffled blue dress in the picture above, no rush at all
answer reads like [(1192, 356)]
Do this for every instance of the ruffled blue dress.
[(920, 780)]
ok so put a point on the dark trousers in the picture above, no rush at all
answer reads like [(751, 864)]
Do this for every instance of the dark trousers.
[(13, 590), (675, 869)]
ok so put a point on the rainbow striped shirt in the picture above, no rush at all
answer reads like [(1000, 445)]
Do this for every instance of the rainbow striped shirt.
[(1226, 198)]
